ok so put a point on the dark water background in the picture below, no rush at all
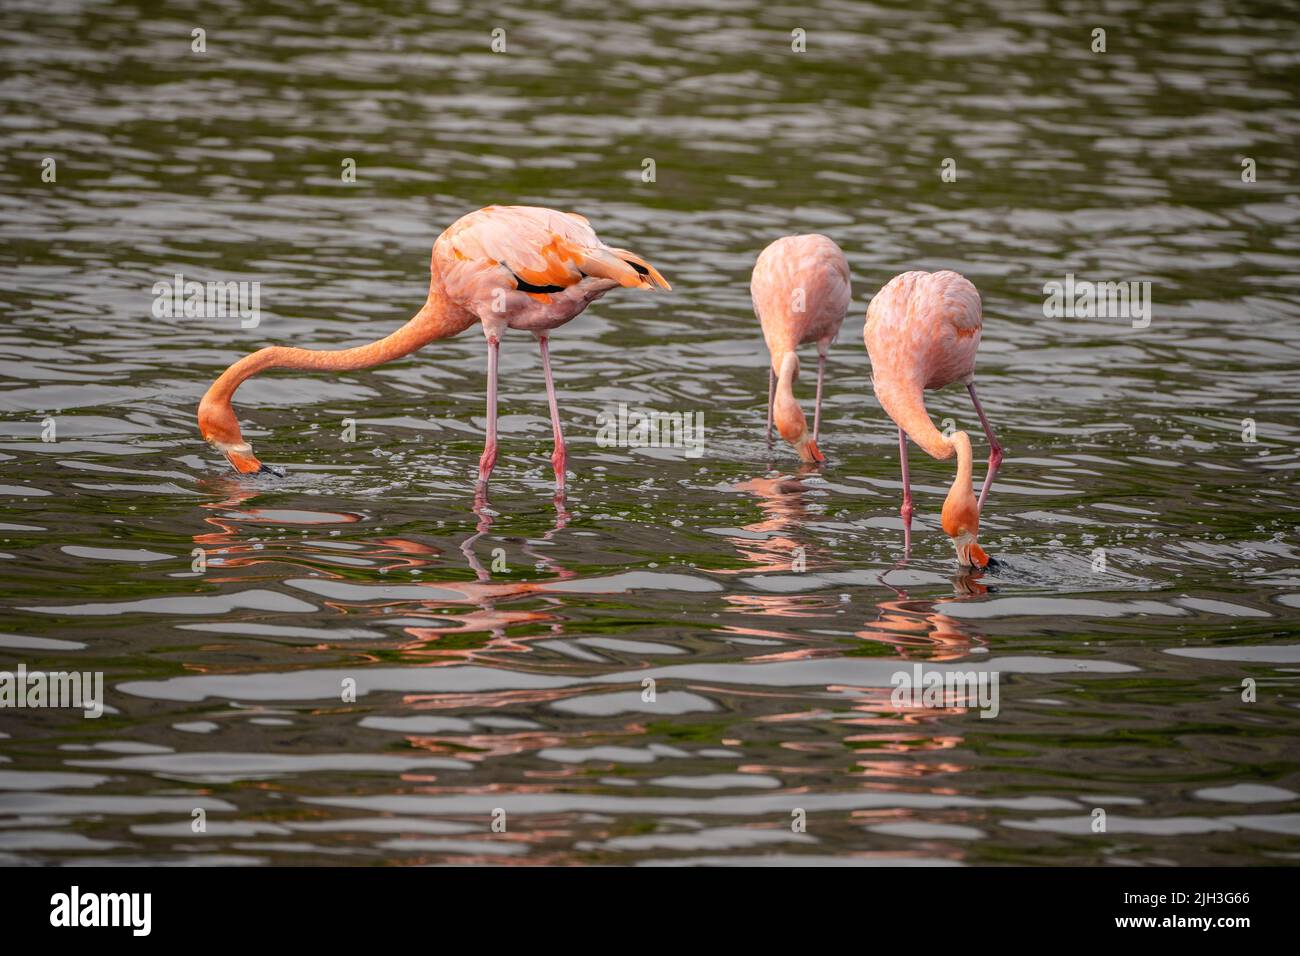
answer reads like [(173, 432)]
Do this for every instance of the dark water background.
[(522, 689)]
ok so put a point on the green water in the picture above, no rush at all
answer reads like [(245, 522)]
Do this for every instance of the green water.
[(499, 653)]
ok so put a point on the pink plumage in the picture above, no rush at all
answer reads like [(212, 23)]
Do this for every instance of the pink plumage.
[(934, 318), (801, 292), (518, 267), (923, 332), (491, 261)]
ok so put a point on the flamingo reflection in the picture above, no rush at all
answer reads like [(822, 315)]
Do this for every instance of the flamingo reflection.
[(777, 544), (246, 536), (917, 629)]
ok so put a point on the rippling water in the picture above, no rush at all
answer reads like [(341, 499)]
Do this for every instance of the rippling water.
[(499, 653)]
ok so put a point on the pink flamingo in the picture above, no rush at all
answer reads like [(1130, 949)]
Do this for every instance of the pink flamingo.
[(922, 331), (801, 294), (518, 267)]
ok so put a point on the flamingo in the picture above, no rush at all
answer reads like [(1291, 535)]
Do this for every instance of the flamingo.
[(518, 267), (922, 331), (801, 293)]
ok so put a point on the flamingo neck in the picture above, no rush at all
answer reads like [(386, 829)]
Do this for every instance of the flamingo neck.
[(787, 370), (960, 517), (960, 443), (904, 402), (217, 421), (789, 416), (406, 339)]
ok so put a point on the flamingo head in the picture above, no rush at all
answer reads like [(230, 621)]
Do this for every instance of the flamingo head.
[(961, 522), (789, 417), (220, 429), (961, 510)]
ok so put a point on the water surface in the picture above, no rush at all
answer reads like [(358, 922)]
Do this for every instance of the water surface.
[(498, 653)]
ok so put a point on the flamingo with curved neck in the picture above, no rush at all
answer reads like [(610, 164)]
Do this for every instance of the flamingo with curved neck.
[(518, 267), (922, 332), (801, 291)]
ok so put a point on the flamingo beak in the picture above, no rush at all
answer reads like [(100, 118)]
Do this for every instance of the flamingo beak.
[(243, 460), (245, 463), (969, 553), (809, 451)]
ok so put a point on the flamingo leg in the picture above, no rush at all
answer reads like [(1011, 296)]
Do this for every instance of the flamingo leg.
[(489, 456), (995, 450), (771, 392), (559, 456), (821, 374), (906, 509)]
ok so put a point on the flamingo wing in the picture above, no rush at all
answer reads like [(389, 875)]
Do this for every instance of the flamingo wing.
[(956, 300), (508, 260), (809, 270), (927, 302), (923, 329)]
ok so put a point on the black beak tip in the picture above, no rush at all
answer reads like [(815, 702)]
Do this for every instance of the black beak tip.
[(271, 470)]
